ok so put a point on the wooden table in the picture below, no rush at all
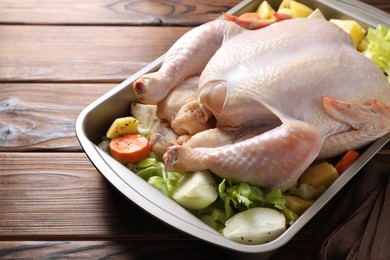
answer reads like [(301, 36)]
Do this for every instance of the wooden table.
[(56, 57)]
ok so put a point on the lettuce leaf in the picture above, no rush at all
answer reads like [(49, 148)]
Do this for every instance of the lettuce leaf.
[(239, 197), (377, 43), (105, 144), (153, 171)]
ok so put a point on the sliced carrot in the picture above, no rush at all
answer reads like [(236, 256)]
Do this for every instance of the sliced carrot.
[(346, 161), (129, 148)]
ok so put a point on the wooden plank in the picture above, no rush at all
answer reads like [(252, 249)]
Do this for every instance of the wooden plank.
[(42, 116), (153, 249), (53, 196), (380, 4), (167, 12), (135, 249), (80, 54)]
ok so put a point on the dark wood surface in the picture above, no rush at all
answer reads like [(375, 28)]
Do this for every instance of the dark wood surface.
[(56, 57)]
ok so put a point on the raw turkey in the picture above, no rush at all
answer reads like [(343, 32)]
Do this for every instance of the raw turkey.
[(273, 99)]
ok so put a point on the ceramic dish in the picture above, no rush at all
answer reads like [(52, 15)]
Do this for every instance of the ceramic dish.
[(95, 119)]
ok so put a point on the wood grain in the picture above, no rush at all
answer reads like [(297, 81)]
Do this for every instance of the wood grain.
[(112, 12), (39, 116), (80, 54), (125, 12), (176, 249), (61, 195)]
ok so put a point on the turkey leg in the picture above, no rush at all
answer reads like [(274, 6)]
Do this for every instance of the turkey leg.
[(187, 57), (275, 158)]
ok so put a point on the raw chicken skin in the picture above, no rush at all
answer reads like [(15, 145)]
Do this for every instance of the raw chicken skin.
[(303, 78)]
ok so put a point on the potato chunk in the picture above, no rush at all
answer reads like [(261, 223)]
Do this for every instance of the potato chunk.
[(298, 205), (323, 174), (122, 126), (299, 10), (355, 30), (265, 10)]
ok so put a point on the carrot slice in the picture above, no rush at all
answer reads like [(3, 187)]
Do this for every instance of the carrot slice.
[(346, 161), (129, 148)]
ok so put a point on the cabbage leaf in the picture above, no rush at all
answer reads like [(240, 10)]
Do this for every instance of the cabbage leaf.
[(153, 171), (377, 43), (239, 197)]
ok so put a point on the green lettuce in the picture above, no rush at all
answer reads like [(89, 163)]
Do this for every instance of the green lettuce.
[(105, 144), (377, 44), (239, 197), (153, 171)]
